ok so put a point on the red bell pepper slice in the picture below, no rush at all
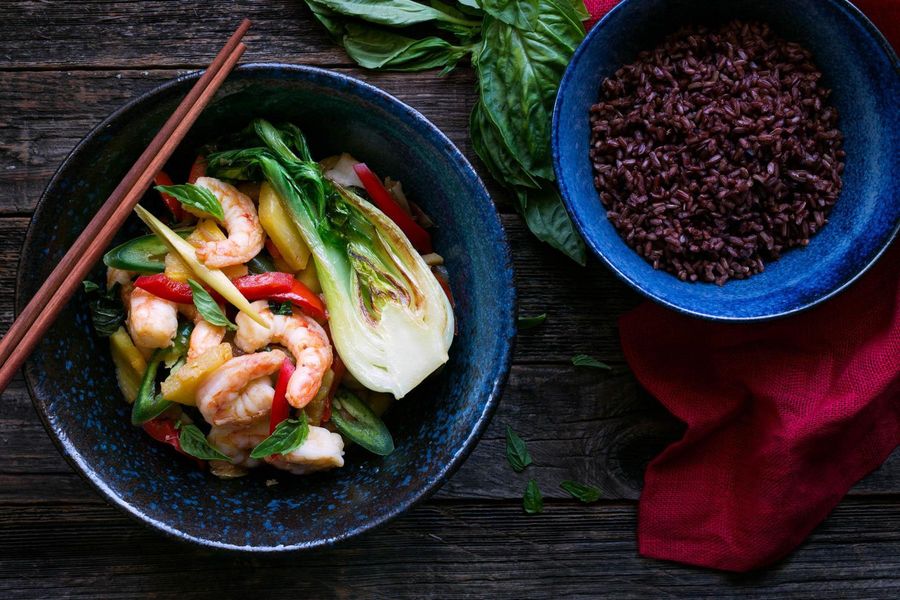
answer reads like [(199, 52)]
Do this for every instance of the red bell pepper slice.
[(281, 410), (198, 169), (162, 286), (420, 239), (339, 370), (163, 430), (262, 286), (303, 298), (171, 202)]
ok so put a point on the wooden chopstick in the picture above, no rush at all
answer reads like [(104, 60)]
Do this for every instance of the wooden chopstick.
[(33, 322)]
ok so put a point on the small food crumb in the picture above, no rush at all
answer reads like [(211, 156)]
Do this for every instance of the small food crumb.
[(271, 482)]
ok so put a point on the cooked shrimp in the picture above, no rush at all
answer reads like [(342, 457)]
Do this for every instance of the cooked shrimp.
[(236, 441), (321, 450), (240, 390), (245, 234), (152, 321), (302, 336), (204, 336)]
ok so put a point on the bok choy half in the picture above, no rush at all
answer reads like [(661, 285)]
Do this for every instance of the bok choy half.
[(390, 320)]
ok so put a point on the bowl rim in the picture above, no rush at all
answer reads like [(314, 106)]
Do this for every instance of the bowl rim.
[(854, 13), (506, 340)]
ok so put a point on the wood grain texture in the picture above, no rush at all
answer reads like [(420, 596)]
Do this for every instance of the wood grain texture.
[(441, 550), (44, 114)]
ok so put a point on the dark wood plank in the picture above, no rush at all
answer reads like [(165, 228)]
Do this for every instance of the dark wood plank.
[(445, 550), (85, 33), (43, 115)]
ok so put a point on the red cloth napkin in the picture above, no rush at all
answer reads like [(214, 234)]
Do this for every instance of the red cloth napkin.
[(782, 417)]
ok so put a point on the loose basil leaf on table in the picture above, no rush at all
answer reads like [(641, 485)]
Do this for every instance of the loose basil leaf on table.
[(583, 360), (195, 197), (208, 308), (355, 420), (533, 502), (526, 323), (287, 437), (193, 442), (107, 310), (580, 491), (516, 452)]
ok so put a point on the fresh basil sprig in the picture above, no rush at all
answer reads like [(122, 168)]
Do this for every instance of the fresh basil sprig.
[(284, 309), (193, 442), (208, 308), (287, 437), (519, 50), (533, 502), (580, 491), (583, 360), (107, 310), (196, 197), (516, 452)]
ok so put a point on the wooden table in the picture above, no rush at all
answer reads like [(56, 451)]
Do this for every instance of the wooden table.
[(63, 67)]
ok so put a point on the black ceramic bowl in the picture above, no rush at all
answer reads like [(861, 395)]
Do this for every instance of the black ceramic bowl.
[(70, 375)]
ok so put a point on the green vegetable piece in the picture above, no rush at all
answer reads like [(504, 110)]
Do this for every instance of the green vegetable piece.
[(526, 323), (90, 286), (516, 452), (378, 49), (148, 404), (196, 197), (107, 311), (208, 308), (193, 442), (533, 502), (549, 222), (356, 421), (580, 491), (145, 254), (281, 308), (261, 264), (287, 437), (395, 13), (179, 346), (583, 360)]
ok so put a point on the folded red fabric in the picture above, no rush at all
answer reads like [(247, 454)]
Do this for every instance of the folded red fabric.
[(782, 417)]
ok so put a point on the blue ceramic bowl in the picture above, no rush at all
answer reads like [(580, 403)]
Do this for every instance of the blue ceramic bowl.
[(71, 378), (861, 69)]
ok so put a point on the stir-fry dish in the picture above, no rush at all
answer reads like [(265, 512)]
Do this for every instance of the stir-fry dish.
[(285, 308)]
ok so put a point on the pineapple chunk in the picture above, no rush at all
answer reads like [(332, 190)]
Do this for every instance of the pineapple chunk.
[(281, 229), (310, 278), (129, 362), (181, 386)]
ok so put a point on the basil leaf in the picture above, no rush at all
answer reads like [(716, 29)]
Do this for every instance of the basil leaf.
[(549, 222), (378, 49), (90, 286), (107, 311), (287, 437), (193, 442), (523, 56), (581, 11), (208, 308), (581, 491), (493, 152), (332, 21), (526, 323), (395, 13), (471, 3), (195, 197), (281, 308), (583, 360), (533, 502), (516, 453)]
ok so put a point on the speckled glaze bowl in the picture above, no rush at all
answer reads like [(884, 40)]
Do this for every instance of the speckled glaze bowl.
[(71, 378), (858, 65)]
